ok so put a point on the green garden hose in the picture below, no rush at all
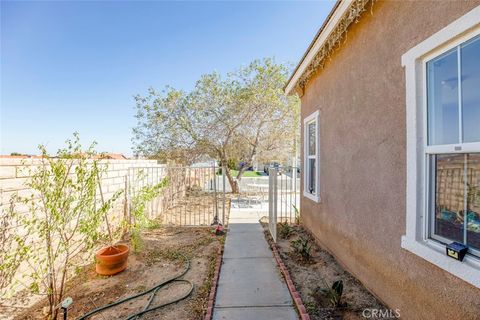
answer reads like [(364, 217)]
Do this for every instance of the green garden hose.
[(153, 292)]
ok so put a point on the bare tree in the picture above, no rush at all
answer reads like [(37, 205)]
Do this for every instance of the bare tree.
[(270, 133), (242, 116)]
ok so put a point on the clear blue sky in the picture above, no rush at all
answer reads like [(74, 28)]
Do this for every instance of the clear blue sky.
[(75, 66)]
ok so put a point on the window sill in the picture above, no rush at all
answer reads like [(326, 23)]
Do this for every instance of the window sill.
[(312, 197), (434, 252)]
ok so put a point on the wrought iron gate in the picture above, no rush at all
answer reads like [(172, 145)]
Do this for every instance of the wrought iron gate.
[(191, 196), (283, 197)]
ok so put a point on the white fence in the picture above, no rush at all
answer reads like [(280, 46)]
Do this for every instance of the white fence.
[(283, 198)]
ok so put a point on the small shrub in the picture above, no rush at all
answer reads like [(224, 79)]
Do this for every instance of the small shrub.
[(297, 214), (311, 307), (303, 248), (334, 294), (284, 230), (140, 220), (62, 224)]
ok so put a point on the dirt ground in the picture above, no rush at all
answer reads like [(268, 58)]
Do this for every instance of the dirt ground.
[(160, 259), (320, 272)]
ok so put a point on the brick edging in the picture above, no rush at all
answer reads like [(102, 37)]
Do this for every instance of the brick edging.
[(213, 288), (291, 287)]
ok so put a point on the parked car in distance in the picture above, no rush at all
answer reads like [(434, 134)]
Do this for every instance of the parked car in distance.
[(243, 164), (273, 164)]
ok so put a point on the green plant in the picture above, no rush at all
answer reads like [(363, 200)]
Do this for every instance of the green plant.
[(334, 293), (232, 164), (297, 214), (10, 259), (284, 230), (311, 307), (140, 220), (303, 248), (63, 219)]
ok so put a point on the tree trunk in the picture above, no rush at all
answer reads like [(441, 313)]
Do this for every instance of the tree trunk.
[(233, 183), (241, 171), (247, 164)]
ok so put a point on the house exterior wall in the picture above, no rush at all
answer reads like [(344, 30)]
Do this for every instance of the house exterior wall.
[(361, 216)]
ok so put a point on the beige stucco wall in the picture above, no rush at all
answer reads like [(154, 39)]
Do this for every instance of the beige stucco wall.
[(361, 217)]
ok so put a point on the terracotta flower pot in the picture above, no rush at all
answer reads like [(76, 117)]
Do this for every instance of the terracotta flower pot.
[(111, 260)]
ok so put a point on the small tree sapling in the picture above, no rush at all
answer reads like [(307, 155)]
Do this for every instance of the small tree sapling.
[(63, 221)]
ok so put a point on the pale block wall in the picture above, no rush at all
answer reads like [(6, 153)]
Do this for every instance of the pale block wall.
[(14, 174)]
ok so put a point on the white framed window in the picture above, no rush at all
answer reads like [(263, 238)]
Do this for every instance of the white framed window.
[(311, 161), (443, 146)]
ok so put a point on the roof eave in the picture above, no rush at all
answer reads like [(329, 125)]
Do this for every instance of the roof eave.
[(335, 15)]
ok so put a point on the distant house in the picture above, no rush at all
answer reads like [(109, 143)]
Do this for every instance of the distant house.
[(390, 113), (113, 156)]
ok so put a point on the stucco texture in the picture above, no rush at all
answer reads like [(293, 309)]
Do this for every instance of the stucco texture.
[(361, 217)]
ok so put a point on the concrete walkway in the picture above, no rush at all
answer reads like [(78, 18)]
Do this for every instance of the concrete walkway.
[(250, 284)]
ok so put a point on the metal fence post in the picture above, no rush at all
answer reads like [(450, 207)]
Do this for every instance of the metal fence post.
[(215, 219), (224, 199), (270, 198), (294, 190), (128, 192), (272, 202), (275, 202), (126, 202)]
